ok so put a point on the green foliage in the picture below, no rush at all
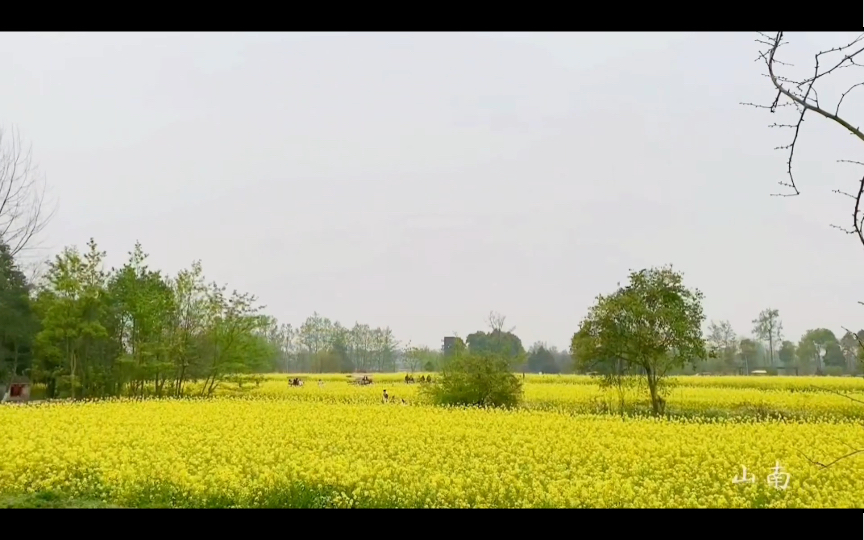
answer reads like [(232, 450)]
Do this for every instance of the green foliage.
[(49, 499), (132, 331), (18, 322), (787, 353), (541, 360), (819, 348), (455, 348), (421, 358), (476, 379), (650, 326), (850, 347), (749, 352), (723, 344), (496, 342)]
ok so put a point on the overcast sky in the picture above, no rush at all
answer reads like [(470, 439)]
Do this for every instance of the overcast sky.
[(421, 180)]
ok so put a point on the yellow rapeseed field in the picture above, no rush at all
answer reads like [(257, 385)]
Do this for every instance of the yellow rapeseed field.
[(689, 396), (339, 446)]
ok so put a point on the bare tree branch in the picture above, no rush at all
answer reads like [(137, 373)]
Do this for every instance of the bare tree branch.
[(804, 96), (829, 464), (22, 195), (841, 394), (855, 451)]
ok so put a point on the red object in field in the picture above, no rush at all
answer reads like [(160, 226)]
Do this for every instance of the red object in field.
[(18, 390)]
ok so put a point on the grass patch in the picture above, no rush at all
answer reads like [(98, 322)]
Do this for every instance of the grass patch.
[(49, 499)]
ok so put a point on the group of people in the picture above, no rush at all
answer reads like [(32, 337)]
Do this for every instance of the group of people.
[(365, 380), (297, 381)]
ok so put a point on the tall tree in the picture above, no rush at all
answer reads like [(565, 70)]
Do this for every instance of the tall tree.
[(23, 209), (144, 305), (188, 322), (850, 346), (768, 328), (74, 308), (18, 323), (749, 352)]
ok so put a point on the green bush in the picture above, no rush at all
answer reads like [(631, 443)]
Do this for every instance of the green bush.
[(478, 379), (834, 371)]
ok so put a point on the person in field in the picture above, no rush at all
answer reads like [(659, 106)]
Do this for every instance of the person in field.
[(386, 398)]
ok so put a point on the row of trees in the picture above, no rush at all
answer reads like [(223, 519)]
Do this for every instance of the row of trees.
[(652, 327), (321, 345), (87, 332), (818, 351)]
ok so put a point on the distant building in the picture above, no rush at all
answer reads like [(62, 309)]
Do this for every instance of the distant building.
[(449, 345)]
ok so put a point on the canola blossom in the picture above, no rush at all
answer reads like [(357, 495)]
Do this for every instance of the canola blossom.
[(339, 446), (807, 397)]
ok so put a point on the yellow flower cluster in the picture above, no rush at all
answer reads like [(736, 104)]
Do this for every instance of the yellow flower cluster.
[(338, 446), (688, 396)]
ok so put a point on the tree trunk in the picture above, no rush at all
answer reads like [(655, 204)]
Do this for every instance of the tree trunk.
[(71, 356), (657, 402), (771, 348), (15, 359)]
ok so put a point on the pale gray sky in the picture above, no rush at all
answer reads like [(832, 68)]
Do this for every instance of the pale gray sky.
[(421, 180)]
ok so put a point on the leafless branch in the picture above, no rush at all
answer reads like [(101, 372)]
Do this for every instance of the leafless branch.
[(804, 96), (855, 451), (23, 214), (829, 464), (858, 339), (847, 396)]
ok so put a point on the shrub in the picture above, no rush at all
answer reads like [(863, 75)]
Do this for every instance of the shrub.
[(834, 371), (476, 379)]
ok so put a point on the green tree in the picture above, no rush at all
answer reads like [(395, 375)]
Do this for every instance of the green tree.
[(188, 322), (231, 342), (787, 354), (850, 345), (497, 341), (819, 347), (749, 353), (144, 306), (18, 321), (652, 324), (339, 350), (541, 360), (384, 347), (452, 347), (74, 306), (476, 379)]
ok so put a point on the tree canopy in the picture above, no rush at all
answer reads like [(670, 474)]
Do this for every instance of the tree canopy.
[(653, 324)]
